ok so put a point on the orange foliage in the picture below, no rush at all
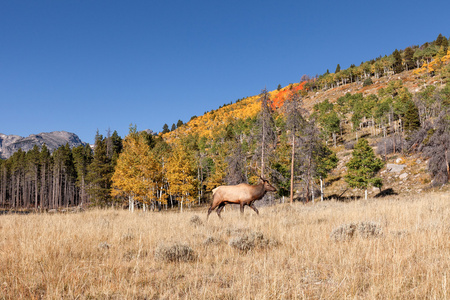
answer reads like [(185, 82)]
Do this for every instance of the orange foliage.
[(279, 98), (209, 124)]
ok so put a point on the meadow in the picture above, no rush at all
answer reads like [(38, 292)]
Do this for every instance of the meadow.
[(391, 248)]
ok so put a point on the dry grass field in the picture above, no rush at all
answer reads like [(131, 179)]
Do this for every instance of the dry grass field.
[(393, 248)]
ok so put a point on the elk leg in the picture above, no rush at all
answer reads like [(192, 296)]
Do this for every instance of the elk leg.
[(211, 208), (209, 212), (242, 208), (219, 210), (254, 208)]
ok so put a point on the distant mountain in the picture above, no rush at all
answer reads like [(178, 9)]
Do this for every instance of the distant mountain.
[(53, 140)]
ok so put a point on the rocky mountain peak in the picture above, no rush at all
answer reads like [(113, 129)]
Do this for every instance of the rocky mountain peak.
[(53, 140)]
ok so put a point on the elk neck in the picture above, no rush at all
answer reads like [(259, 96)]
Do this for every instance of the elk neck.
[(259, 190)]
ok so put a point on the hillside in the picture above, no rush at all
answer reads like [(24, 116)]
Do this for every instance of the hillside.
[(403, 172)]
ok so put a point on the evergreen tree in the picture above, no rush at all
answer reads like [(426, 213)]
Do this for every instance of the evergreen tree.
[(328, 118), (165, 128), (173, 127), (411, 120), (439, 40), (33, 171), (115, 142), (363, 167), (408, 55), (100, 172), (179, 123), (338, 68), (46, 164), (82, 156), (397, 61)]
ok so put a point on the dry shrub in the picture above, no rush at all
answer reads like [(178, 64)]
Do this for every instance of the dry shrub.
[(175, 253), (210, 240), (369, 229), (399, 233), (104, 246), (236, 231), (196, 221), (363, 229), (251, 241), (126, 237), (343, 232), (134, 254)]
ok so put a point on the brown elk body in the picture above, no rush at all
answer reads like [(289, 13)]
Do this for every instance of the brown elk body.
[(242, 194)]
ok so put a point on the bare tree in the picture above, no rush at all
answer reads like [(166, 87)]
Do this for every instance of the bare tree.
[(294, 123), (437, 149), (265, 136), (235, 165)]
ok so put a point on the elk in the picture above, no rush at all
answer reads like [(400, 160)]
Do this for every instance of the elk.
[(242, 194)]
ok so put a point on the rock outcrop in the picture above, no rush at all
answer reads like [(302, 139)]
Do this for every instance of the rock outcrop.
[(9, 144)]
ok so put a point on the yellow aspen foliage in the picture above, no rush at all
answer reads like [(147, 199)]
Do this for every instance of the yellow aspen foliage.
[(434, 65), (138, 172), (208, 124), (218, 176), (180, 174)]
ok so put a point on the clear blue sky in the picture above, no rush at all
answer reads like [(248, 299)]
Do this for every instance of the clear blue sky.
[(85, 65)]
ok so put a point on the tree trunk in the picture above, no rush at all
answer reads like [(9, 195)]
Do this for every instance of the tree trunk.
[(321, 189), (292, 170), (447, 164), (262, 148), (130, 203)]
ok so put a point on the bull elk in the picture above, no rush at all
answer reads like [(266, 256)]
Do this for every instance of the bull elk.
[(242, 194)]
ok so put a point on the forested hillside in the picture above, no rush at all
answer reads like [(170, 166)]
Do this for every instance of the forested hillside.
[(305, 138)]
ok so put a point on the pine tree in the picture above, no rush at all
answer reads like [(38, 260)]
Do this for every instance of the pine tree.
[(397, 61), (165, 128), (82, 156), (33, 170), (46, 163), (408, 55), (439, 40), (338, 68), (99, 174), (326, 160), (411, 120), (363, 167)]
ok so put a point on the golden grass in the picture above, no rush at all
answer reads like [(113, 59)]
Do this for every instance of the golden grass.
[(111, 254)]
